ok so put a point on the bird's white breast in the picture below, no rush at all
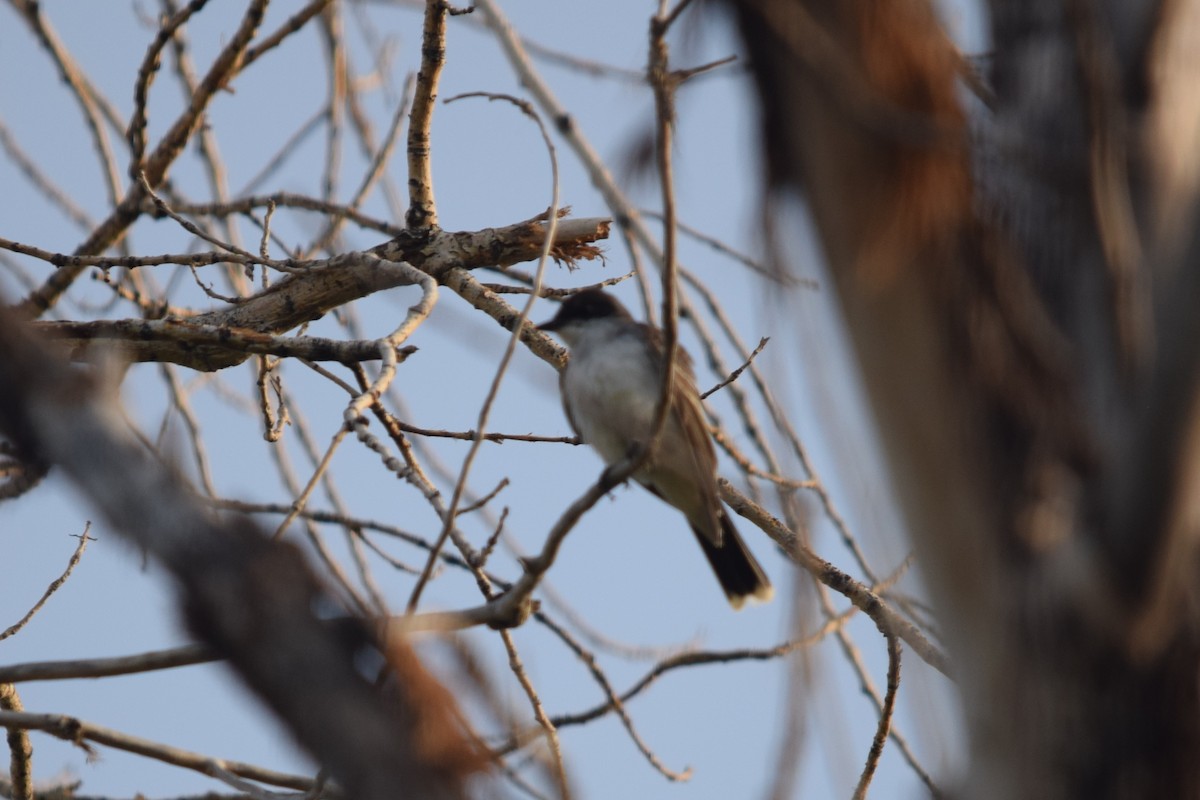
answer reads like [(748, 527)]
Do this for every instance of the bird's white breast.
[(611, 388)]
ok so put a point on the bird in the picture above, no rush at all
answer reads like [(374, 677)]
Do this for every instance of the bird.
[(610, 391)]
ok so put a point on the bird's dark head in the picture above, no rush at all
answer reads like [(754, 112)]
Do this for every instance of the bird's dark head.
[(583, 307)]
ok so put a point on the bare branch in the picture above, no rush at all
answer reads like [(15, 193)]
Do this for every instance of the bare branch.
[(145, 77), (77, 731), (422, 210), (20, 752), (733, 376), (614, 702), (889, 622), (184, 656), (201, 347), (54, 585), (290, 26), (885, 719)]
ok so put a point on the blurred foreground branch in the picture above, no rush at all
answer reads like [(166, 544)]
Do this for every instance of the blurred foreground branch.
[(253, 600), (1021, 293)]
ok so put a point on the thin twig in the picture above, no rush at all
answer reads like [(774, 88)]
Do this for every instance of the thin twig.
[(74, 730), (784, 425), (54, 585), (293, 24), (331, 37), (733, 376), (376, 170), (181, 405), (787, 279), (688, 660), (539, 713), (163, 208), (288, 149), (589, 660), (151, 661), (854, 658), (885, 719), (871, 604), (300, 501)]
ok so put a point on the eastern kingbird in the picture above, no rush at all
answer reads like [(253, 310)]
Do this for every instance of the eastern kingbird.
[(610, 390)]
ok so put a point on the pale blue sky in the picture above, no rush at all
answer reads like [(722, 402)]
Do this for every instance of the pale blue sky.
[(630, 568)]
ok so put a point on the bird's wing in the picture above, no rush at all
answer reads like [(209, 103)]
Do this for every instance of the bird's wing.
[(701, 458), (686, 405), (562, 393)]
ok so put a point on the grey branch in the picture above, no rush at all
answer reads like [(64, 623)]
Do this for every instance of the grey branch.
[(201, 347), (227, 336)]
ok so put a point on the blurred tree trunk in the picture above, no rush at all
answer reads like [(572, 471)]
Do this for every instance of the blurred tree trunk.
[(1020, 276)]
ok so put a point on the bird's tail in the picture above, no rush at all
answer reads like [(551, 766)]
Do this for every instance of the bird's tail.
[(739, 573)]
